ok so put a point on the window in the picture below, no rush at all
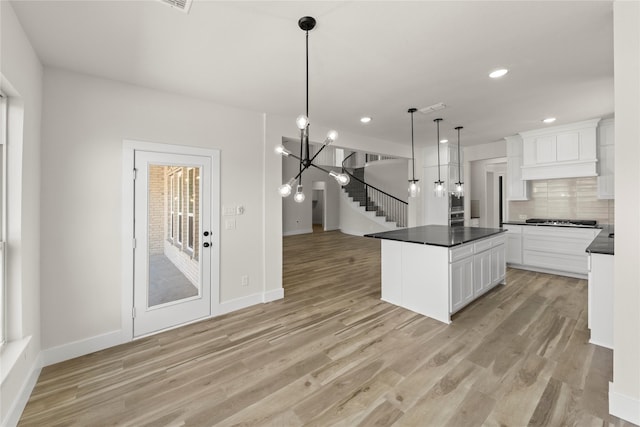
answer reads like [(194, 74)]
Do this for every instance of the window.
[(179, 204), (172, 212), (3, 214), (191, 200)]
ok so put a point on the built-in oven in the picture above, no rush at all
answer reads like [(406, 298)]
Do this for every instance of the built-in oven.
[(456, 211)]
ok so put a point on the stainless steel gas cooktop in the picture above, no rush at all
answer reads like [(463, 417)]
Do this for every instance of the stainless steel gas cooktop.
[(563, 222)]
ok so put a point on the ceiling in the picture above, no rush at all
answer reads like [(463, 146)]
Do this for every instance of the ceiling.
[(373, 58)]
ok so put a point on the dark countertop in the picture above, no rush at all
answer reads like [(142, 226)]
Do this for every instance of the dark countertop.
[(602, 244), (437, 235)]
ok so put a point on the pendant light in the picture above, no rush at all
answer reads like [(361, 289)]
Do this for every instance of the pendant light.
[(459, 186), (414, 189), (306, 24), (438, 186)]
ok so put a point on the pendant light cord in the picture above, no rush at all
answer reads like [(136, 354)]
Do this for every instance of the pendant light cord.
[(438, 146), (459, 159), (413, 157)]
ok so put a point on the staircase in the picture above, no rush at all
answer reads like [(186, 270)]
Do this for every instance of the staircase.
[(391, 212)]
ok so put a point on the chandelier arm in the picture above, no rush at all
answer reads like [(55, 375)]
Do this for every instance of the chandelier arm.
[(321, 168), (319, 151)]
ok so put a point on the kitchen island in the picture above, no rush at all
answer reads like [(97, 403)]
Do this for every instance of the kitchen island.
[(435, 270)]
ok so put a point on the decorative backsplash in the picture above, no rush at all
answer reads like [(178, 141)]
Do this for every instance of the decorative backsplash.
[(571, 198)]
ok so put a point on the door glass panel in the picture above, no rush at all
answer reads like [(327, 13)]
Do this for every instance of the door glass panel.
[(173, 231)]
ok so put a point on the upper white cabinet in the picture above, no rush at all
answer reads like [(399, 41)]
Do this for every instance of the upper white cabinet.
[(606, 165), (517, 188), (566, 151)]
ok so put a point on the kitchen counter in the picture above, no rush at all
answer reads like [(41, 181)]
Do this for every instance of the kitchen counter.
[(436, 270), (437, 235), (602, 244)]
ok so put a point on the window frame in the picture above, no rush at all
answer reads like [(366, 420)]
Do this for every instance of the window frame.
[(4, 122)]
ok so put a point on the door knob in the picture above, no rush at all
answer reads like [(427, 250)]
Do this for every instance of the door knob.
[(206, 233), (206, 244)]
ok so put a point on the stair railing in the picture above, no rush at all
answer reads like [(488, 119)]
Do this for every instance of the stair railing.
[(391, 207)]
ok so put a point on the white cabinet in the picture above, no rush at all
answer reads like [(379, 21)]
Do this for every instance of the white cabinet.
[(482, 272), (513, 248), (498, 265), (560, 152), (476, 268), (600, 307), (606, 161), (558, 249), (461, 283), (517, 188)]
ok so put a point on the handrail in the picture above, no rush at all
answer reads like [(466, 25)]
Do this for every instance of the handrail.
[(368, 185), (374, 199)]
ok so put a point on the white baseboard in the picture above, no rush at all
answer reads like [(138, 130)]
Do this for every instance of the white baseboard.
[(273, 295), (625, 407), (81, 347), (238, 304), (294, 232), (548, 271), (17, 407), (353, 232)]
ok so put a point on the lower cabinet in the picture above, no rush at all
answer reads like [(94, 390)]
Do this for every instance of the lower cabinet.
[(481, 269), (461, 283), (514, 243)]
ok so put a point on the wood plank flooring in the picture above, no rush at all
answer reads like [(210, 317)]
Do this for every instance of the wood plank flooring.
[(332, 354)]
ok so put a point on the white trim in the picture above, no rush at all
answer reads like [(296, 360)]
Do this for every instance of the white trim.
[(128, 149), (239, 303), (10, 353), (273, 295), (548, 271), (601, 344), (81, 347), (622, 406), (17, 407), (295, 232)]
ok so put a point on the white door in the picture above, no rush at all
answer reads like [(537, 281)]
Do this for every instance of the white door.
[(173, 240)]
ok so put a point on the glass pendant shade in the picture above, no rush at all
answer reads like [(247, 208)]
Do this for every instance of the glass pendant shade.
[(459, 191), (414, 189), (438, 189), (299, 196)]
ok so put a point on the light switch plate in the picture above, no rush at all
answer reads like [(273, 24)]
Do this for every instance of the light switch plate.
[(229, 210), (230, 224)]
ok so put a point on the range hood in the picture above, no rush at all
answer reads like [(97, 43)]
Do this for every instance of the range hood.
[(567, 151)]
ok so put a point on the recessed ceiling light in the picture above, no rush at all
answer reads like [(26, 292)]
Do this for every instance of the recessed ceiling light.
[(498, 73), (549, 120), (365, 119), (444, 141)]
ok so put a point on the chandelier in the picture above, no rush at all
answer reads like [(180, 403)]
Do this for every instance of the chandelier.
[(414, 190), (306, 24)]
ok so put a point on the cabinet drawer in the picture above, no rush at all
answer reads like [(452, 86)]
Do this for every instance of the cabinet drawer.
[(483, 245), (460, 252)]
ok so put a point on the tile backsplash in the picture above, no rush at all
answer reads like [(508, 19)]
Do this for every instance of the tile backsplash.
[(571, 198)]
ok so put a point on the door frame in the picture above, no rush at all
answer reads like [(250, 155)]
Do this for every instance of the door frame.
[(127, 298)]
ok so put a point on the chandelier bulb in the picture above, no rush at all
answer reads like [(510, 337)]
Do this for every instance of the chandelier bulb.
[(341, 178), (302, 121), (299, 196), (332, 136), (281, 150), (285, 189)]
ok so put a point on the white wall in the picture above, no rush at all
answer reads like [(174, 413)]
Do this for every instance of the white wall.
[(624, 393), (389, 176), (21, 74), (85, 120)]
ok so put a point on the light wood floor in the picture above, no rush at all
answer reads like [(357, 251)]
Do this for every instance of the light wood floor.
[(331, 353)]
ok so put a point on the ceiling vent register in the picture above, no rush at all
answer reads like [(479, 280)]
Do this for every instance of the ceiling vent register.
[(183, 5)]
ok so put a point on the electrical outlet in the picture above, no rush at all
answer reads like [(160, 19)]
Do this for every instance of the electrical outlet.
[(244, 280), (523, 217)]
